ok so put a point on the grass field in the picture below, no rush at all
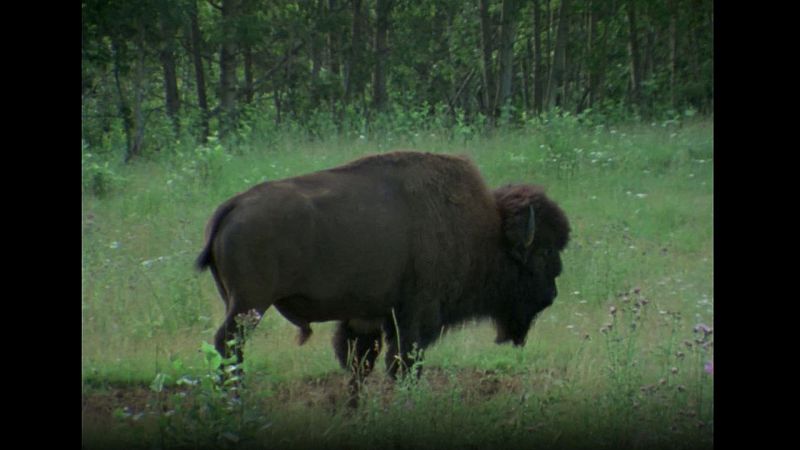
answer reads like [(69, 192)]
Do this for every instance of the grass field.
[(622, 359)]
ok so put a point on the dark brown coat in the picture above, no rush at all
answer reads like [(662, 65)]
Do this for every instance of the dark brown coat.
[(405, 241)]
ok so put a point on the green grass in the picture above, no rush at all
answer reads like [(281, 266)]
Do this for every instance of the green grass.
[(639, 199)]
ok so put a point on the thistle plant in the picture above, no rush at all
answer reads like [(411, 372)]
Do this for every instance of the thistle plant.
[(621, 333)]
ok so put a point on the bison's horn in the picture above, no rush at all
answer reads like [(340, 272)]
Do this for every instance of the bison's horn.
[(531, 228)]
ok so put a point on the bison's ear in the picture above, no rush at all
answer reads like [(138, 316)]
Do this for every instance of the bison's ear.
[(530, 227), (520, 230)]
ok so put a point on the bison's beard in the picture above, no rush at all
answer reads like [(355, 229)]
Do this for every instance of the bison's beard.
[(514, 332)]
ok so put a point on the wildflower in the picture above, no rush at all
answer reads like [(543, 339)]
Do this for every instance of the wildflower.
[(701, 327), (612, 310), (709, 367)]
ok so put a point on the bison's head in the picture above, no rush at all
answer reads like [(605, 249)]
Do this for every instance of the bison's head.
[(535, 231)]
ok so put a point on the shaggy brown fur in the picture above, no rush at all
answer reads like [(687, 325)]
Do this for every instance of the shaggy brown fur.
[(400, 244)]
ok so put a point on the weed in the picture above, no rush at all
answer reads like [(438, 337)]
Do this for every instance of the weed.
[(99, 178)]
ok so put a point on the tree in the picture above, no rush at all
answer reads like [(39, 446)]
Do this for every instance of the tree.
[(356, 62), (227, 66), (538, 72), (488, 105), (200, 78), (382, 10), (633, 51), (507, 24), (290, 60), (557, 85), (167, 19)]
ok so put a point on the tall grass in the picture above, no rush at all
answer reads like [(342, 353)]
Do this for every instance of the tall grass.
[(617, 361)]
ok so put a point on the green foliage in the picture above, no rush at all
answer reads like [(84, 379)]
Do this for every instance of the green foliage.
[(301, 70), (99, 178), (194, 410)]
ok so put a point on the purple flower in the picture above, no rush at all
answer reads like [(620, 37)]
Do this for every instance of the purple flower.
[(702, 327), (710, 367)]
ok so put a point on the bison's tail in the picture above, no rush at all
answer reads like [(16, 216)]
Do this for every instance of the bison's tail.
[(205, 258)]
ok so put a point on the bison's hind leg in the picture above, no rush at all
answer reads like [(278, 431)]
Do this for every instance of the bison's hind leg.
[(356, 347), (230, 338)]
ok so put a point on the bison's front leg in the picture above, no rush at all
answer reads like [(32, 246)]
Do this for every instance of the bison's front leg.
[(357, 350), (403, 355)]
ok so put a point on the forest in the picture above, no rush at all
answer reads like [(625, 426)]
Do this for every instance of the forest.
[(606, 104), (155, 73)]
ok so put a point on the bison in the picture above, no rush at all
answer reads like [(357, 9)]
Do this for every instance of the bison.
[(397, 245)]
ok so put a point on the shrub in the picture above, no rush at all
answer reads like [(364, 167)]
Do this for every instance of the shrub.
[(99, 178)]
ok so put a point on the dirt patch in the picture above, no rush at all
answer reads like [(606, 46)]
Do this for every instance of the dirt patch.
[(105, 401), (104, 405)]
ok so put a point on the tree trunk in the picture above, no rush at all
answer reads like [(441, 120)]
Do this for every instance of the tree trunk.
[(506, 53), (538, 73), (673, 51), (633, 51), (247, 53), (123, 108), (138, 88), (598, 86), (334, 60), (591, 50), (227, 69), (557, 83), (167, 57), (334, 43), (354, 70), (486, 46), (526, 74), (198, 71), (317, 43), (276, 97), (382, 10)]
